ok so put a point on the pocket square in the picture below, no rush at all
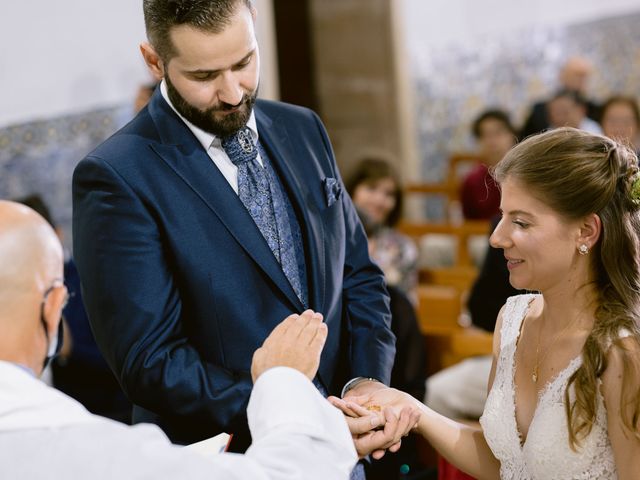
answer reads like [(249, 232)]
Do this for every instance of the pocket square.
[(332, 190)]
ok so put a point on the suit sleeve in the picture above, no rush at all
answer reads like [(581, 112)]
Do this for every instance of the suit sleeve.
[(134, 305), (364, 296)]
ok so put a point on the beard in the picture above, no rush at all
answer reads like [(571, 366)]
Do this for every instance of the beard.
[(211, 120)]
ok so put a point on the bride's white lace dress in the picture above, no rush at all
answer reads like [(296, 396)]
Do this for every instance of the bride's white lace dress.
[(546, 454)]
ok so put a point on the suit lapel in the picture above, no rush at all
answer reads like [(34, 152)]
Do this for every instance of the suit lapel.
[(289, 162), (181, 151)]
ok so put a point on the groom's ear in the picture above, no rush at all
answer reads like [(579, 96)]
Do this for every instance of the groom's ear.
[(153, 60)]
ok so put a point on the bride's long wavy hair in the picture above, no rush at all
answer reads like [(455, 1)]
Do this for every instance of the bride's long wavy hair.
[(577, 174)]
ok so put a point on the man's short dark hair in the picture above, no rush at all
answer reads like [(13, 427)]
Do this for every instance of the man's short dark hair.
[(574, 95), (206, 15), (495, 114)]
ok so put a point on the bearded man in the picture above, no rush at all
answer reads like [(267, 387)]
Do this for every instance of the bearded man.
[(208, 219)]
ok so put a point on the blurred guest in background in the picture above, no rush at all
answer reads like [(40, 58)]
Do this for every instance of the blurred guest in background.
[(568, 108), (621, 121), (480, 196), (574, 76), (375, 188)]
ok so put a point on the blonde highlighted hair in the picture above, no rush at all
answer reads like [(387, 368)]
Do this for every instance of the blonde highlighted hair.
[(577, 174)]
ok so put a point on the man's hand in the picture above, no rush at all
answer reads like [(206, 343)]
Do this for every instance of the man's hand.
[(366, 387), (380, 398), (363, 421), (297, 342)]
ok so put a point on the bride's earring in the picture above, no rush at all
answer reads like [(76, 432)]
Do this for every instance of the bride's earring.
[(583, 249)]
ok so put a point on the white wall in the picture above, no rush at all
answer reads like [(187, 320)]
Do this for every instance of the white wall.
[(66, 56), (431, 24), (266, 33)]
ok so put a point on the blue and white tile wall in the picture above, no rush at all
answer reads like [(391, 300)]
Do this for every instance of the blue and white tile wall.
[(512, 71), (39, 157)]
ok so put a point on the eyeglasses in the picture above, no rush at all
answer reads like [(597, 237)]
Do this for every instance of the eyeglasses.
[(58, 283)]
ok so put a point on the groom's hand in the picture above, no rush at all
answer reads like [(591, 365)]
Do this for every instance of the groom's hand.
[(363, 424), (366, 387)]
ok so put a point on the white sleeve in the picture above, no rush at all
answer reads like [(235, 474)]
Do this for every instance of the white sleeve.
[(296, 432)]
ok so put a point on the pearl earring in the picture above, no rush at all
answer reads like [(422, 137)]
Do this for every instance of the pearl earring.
[(583, 249)]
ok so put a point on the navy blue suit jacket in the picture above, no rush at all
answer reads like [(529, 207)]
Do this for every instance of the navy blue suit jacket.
[(180, 286)]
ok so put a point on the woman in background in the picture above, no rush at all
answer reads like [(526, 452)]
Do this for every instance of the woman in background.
[(376, 191), (621, 121), (479, 194)]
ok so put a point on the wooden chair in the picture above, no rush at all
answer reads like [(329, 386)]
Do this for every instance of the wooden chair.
[(465, 343), (461, 232), (439, 309), (458, 164), (446, 342)]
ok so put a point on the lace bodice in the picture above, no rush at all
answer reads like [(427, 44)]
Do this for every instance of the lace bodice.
[(546, 453)]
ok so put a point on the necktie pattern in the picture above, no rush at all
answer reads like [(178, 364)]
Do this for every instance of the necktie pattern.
[(258, 190), (253, 185)]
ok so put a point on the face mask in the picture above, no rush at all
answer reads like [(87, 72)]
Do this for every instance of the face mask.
[(55, 343)]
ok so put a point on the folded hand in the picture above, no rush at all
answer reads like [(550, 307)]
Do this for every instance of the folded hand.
[(396, 422)]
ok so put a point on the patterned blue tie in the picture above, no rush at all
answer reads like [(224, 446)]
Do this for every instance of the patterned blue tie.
[(358, 472), (257, 189)]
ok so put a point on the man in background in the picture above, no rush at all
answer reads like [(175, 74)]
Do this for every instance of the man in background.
[(569, 109), (573, 76)]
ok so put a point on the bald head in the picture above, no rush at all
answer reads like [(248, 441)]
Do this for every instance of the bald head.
[(30, 253), (31, 261), (575, 74)]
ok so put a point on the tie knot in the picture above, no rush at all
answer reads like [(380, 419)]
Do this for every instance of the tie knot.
[(240, 147)]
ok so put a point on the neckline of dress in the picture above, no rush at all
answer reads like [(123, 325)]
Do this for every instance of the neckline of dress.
[(522, 441)]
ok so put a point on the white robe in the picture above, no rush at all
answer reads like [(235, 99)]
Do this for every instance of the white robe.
[(296, 434)]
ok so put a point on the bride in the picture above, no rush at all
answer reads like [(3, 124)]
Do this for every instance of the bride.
[(564, 388)]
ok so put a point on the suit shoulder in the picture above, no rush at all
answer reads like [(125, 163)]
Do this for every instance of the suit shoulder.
[(124, 143)]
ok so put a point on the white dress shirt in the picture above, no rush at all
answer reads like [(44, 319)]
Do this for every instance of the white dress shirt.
[(212, 144), (45, 434)]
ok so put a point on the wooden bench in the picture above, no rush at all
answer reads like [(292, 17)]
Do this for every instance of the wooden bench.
[(460, 232), (449, 188), (439, 309)]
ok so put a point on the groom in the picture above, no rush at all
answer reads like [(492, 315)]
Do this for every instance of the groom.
[(208, 219)]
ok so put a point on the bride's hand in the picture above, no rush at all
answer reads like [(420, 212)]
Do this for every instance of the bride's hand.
[(365, 413), (375, 401)]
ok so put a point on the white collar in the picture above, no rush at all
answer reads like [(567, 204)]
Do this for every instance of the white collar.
[(206, 139)]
